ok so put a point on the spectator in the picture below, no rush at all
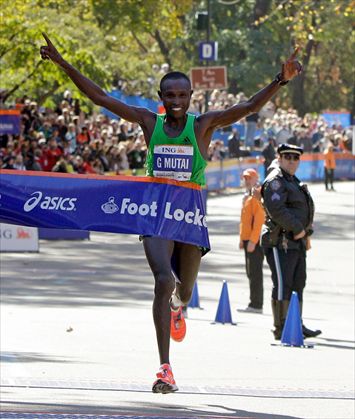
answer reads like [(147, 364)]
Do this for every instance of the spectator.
[(305, 142), (269, 154), (70, 136), (294, 140), (34, 162), (83, 137), (18, 163), (329, 167), (60, 165), (251, 221), (83, 166), (283, 135), (267, 111), (60, 127), (68, 97), (47, 129), (51, 155), (317, 136), (216, 150), (114, 127), (251, 125), (123, 134), (8, 162), (234, 144)]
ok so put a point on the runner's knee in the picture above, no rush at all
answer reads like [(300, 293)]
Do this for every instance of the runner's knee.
[(164, 284)]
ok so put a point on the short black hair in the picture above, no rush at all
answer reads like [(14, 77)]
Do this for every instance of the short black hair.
[(174, 75)]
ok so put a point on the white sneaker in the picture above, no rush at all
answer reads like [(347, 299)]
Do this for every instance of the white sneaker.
[(175, 302), (252, 310)]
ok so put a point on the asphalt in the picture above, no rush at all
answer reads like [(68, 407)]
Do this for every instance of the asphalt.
[(77, 337)]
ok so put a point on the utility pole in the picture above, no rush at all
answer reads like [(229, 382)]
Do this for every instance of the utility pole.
[(208, 30)]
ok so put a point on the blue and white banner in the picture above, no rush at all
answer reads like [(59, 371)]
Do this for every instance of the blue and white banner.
[(119, 204), (9, 121)]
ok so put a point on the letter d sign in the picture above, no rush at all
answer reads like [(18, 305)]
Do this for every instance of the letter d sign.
[(208, 51)]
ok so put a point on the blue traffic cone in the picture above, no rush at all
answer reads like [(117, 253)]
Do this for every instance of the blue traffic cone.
[(224, 314), (195, 298), (292, 332)]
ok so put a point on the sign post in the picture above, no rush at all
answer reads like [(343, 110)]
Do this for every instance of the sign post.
[(209, 78), (208, 51)]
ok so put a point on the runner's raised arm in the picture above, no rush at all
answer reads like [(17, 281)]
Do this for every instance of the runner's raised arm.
[(217, 119), (93, 91)]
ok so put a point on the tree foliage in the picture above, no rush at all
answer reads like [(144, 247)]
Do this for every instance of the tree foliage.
[(125, 42), (255, 36), (22, 70)]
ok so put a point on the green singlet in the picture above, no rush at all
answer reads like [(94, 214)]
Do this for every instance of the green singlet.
[(177, 158)]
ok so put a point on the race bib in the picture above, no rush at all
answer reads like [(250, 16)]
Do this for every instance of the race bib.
[(173, 161)]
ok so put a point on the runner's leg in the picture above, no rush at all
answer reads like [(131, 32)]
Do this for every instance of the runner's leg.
[(188, 263), (158, 252)]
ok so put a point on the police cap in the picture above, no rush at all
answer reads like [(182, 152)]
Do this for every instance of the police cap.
[(289, 148)]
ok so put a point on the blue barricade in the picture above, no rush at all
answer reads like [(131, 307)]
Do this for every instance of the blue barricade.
[(227, 173), (131, 100), (60, 234)]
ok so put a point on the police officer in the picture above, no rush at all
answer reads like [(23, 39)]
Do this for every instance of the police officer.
[(285, 237)]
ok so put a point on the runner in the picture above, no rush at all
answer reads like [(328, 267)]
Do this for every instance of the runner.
[(192, 136)]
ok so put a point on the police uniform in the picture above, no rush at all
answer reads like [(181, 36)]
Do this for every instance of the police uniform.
[(289, 209)]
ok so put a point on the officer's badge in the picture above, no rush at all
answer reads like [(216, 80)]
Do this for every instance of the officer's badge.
[(275, 185), (275, 197)]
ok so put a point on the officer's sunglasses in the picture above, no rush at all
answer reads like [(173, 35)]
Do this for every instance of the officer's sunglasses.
[(294, 157)]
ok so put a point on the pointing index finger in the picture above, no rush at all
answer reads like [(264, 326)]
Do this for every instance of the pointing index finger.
[(294, 54), (49, 43)]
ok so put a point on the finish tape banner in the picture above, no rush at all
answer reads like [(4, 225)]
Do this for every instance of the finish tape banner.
[(120, 204)]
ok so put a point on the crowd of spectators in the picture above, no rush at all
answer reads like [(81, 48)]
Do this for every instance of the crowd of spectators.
[(276, 126), (67, 140)]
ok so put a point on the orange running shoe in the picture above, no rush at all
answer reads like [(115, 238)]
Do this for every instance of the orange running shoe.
[(177, 325), (165, 382)]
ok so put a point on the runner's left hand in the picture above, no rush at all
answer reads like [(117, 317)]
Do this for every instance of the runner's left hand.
[(291, 68)]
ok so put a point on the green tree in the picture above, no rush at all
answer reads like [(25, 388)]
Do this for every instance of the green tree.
[(125, 42), (323, 30), (255, 36), (144, 34), (22, 70)]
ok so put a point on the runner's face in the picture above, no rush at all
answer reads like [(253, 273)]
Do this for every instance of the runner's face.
[(176, 96)]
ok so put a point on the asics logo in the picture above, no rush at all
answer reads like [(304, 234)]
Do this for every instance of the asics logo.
[(49, 202)]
